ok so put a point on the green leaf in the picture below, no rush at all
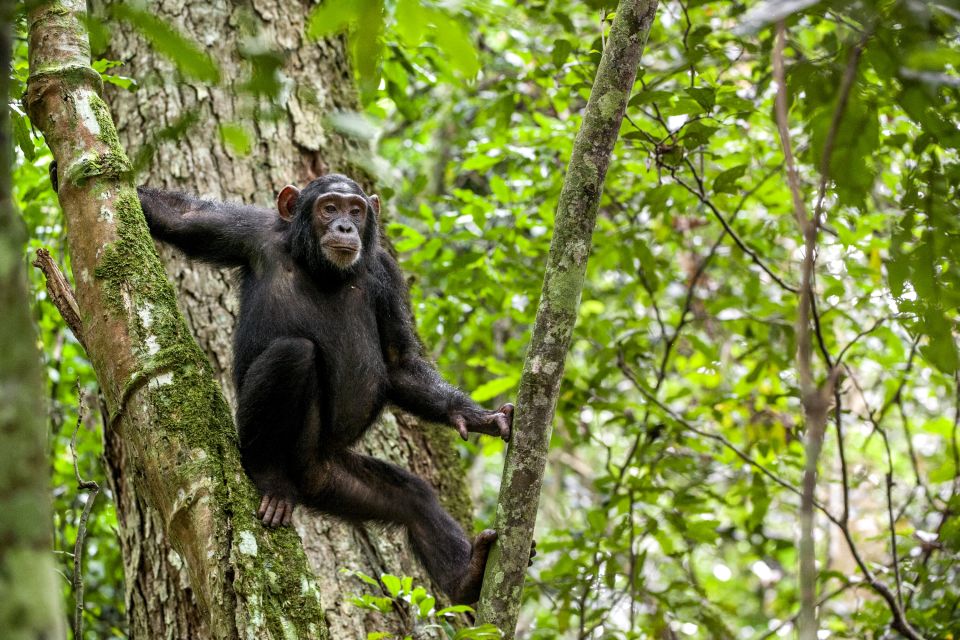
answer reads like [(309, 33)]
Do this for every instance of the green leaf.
[(236, 138), (392, 583), (697, 134), (726, 181), (649, 96), (852, 165), (21, 132), (411, 22), (332, 17), (362, 576), (457, 45), (494, 388), (426, 605), (942, 349), (457, 608), (561, 51), (705, 96)]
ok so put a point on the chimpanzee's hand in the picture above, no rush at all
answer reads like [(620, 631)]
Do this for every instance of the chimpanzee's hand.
[(491, 423)]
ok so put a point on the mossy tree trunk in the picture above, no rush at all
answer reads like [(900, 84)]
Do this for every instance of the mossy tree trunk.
[(292, 142), (29, 588), (180, 449), (557, 312)]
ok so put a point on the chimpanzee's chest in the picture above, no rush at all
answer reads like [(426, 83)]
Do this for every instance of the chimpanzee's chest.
[(341, 321), (353, 374)]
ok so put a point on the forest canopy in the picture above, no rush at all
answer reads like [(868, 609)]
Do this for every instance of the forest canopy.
[(773, 290)]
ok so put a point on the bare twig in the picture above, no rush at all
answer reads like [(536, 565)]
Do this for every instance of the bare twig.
[(862, 334), (61, 293), (700, 193), (94, 489), (632, 377), (894, 601), (792, 619)]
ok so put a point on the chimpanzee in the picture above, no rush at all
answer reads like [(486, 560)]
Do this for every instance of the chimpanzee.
[(324, 341)]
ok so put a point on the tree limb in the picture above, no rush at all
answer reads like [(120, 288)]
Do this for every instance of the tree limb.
[(61, 294), (557, 313)]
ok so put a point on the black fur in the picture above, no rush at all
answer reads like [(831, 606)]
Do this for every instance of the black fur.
[(319, 351)]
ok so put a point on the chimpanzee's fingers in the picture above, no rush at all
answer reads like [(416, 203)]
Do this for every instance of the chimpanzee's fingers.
[(264, 501), (271, 509), (503, 423), (288, 517), (507, 410), (461, 424)]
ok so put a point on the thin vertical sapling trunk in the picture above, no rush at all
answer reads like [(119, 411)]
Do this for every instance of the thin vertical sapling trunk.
[(29, 588), (557, 313)]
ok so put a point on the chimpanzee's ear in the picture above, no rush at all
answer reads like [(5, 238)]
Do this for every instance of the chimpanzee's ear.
[(286, 201), (375, 203)]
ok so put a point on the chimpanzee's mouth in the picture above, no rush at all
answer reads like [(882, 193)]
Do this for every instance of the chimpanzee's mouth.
[(344, 247)]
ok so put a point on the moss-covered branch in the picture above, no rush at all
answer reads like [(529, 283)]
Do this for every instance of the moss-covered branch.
[(552, 331), (249, 581)]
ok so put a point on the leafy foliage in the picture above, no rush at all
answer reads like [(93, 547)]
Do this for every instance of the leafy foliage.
[(680, 416), (417, 608)]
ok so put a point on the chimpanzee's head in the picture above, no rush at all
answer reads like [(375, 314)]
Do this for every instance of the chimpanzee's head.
[(334, 223)]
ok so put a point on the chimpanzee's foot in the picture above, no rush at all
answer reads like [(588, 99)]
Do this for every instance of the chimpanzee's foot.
[(469, 591), (275, 510)]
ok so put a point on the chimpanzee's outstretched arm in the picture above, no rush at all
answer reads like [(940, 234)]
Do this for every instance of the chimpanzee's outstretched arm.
[(221, 233), (415, 385)]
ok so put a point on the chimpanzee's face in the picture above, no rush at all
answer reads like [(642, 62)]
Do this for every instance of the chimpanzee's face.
[(338, 218)]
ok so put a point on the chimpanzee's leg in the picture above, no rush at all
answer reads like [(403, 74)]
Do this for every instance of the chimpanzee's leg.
[(360, 488), (278, 403)]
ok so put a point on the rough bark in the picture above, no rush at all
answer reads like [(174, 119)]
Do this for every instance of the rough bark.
[(166, 409), (294, 146), (29, 591), (557, 313)]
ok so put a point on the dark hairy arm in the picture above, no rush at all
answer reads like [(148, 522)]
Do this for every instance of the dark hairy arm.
[(220, 233), (415, 384)]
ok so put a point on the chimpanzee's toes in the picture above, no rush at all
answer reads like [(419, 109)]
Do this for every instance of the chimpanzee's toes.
[(533, 552), (481, 544), (275, 511)]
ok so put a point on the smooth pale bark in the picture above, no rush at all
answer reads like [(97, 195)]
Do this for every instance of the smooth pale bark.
[(29, 588), (298, 143), (557, 313), (180, 447)]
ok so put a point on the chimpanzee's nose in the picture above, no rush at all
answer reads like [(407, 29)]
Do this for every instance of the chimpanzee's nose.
[(342, 226)]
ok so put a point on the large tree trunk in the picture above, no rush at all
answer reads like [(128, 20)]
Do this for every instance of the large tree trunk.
[(293, 148), (167, 413)]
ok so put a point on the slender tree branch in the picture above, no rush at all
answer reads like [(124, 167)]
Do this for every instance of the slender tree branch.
[(632, 377), (94, 489), (61, 293), (700, 193)]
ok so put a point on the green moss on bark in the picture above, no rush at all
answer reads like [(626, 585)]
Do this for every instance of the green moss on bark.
[(186, 401)]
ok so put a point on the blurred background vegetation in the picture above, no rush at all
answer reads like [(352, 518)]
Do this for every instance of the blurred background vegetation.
[(667, 509)]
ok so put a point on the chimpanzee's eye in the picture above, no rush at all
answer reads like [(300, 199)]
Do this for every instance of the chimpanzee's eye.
[(355, 211), (330, 208)]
